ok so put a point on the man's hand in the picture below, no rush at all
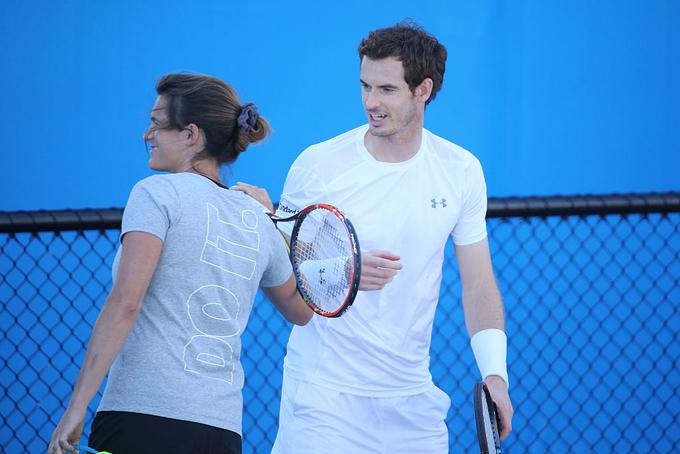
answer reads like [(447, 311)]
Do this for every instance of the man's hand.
[(259, 194), (68, 432), (499, 394), (378, 268)]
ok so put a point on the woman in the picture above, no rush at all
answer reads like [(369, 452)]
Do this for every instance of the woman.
[(193, 254)]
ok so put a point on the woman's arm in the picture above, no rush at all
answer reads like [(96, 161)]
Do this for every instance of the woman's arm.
[(138, 261), (289, 302)]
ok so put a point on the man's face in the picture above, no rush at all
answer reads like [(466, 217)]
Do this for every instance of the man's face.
[(392, 109)]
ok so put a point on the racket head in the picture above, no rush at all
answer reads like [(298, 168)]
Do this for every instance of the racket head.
[(324, 251), (486, 419)]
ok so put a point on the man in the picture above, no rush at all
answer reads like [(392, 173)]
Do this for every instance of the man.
[(361, 383)]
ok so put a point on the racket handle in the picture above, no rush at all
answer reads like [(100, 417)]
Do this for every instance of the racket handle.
[(86, 449)]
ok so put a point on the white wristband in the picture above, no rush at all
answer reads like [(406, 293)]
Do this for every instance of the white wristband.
[(490, 348)]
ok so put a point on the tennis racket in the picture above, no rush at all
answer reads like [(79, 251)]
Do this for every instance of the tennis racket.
[(324, 251), (487, 420)]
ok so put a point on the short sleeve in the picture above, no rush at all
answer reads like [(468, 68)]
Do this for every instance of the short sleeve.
[(152, 207), (471, 225), (278, 269), (302, 188)]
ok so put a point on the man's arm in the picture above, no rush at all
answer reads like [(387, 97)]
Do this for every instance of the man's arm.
[(484, 311)]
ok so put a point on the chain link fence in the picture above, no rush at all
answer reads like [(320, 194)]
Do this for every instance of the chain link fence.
[(591, 289)]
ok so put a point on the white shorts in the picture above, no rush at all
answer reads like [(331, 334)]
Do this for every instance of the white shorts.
[(314, 419)]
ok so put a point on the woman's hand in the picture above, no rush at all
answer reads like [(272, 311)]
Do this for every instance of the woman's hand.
[(68, 431)]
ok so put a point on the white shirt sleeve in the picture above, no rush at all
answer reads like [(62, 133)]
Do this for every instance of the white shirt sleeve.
[(302, 188), (471, 225)]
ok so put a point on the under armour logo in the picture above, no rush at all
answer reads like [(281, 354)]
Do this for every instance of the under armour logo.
[(435, 203)]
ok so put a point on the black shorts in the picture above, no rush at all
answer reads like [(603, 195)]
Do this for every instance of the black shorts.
[(121, 432)]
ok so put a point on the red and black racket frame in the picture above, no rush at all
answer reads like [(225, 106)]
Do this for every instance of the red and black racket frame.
[(356, 251)]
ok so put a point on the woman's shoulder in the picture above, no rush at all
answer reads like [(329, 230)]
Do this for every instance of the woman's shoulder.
[(158, 179), (165, 181), (159, 187)]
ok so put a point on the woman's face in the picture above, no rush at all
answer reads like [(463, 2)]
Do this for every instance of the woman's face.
[(169, 148)]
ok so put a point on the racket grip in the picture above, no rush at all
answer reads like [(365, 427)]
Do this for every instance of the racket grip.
[(86, 449)]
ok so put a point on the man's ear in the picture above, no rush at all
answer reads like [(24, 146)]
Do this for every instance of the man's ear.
[(424, 90)]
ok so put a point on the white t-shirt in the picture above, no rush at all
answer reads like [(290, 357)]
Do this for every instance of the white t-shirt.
[(380, 346)]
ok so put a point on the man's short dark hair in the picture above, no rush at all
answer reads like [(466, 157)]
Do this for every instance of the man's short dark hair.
[(420, 53)]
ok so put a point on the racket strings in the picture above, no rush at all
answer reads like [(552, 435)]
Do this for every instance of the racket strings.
[(323, 252)]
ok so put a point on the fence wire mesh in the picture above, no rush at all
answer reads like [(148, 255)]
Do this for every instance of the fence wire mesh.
[(592, 304)]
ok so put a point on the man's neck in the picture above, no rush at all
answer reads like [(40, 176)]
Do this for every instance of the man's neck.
[(394, 148)]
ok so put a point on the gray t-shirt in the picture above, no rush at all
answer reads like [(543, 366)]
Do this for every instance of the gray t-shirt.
[(182, 358)]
